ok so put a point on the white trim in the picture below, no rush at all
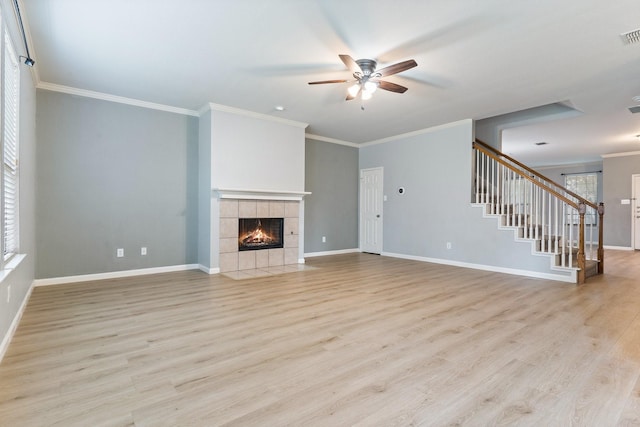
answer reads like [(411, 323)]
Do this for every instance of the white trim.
[(505, 270), (113, 275), (336, 252), (417, 132), (6, 340), (253, 194), (634, 209), (618, 248), (11, 265), (114, 98), (301, 261), (233, 110), (630, 153), (208, 270), (589, 164), (331, 140)]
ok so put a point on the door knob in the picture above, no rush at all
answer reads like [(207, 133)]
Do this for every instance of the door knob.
[(378, 216)]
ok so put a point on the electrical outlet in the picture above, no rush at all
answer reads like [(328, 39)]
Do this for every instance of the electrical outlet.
[(448, 245), (324, 239), (119, 252), (143, 250)]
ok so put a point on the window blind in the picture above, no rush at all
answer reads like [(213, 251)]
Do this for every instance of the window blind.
[(10, 149)]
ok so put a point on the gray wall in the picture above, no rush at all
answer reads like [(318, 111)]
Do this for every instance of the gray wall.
[(16, 284), (331, 175), (435, 170), (617, 173), (113, 176)]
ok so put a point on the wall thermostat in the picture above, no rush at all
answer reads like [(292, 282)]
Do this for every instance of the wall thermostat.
[(401, 190)]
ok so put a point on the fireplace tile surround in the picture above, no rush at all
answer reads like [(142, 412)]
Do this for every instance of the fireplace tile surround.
[(232, 209)]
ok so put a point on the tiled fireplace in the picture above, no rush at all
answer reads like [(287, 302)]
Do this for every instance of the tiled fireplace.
[(232, 210)]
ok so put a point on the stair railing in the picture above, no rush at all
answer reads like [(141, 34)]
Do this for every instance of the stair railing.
[(540, 208)]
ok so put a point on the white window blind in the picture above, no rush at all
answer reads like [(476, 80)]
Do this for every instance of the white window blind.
[(11, 95)]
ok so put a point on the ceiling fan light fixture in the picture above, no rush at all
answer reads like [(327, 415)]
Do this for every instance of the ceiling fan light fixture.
[(370, 86), (353, 90), (366, 95)]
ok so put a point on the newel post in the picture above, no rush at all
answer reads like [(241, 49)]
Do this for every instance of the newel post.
[(582, 209), (600, 238)]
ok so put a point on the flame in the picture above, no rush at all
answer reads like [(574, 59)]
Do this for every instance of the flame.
[(257, 236)]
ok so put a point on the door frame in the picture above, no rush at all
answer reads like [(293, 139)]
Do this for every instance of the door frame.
[(634, 207)]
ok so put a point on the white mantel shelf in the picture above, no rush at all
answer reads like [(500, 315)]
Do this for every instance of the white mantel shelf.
[(252, 194)]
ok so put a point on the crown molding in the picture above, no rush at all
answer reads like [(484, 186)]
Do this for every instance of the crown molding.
[(331, 140), (630, 153), (114, 98), (416, 133), (238, 111)]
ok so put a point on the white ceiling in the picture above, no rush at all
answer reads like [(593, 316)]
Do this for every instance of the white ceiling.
[(476, 59)]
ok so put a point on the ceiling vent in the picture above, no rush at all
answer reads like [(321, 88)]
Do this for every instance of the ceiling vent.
[(631, 37), (635, 109)]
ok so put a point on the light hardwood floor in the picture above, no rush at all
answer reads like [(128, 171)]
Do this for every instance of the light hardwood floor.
[(360, 340)]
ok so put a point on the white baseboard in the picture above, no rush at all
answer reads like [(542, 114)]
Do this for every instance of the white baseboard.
[(4, 345), (113, 275), (618, 248), (208, 270), (338, 252), (516, 272)]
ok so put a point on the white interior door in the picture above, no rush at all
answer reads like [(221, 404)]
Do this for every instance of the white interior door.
[(636, 211), (371, 193)]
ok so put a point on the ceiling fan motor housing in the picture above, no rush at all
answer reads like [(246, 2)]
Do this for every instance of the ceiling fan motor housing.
[(368, 66)]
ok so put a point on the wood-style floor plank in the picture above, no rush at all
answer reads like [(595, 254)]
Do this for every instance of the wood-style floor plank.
[(359, 340)]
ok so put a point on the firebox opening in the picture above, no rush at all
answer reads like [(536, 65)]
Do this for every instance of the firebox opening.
[(260, 233)]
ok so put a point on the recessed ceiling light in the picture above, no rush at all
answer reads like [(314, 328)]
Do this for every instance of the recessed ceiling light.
[(541, 143), (279, 108)]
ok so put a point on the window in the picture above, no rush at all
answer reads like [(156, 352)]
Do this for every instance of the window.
[(584, 185), (9, 122)]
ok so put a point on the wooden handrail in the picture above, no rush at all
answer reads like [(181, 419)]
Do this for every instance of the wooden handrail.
[(519, 172), (578, 203), (538, 174)]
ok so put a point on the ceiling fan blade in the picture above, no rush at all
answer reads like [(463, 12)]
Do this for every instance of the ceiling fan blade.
[(350, 63), (397, 68), (328, 81), (392, 87), (350, 97)]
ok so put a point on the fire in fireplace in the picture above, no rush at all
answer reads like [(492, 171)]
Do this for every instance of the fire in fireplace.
[(260, 233)]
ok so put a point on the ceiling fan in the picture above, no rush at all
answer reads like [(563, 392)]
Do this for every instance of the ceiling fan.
[(367, 78)]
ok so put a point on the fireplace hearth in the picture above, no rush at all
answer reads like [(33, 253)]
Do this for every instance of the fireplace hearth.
[(260, 233)]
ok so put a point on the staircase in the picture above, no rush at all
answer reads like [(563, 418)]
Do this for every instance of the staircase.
[(557, 222)]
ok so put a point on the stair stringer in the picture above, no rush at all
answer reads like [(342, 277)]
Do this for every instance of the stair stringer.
[(571, 272)]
